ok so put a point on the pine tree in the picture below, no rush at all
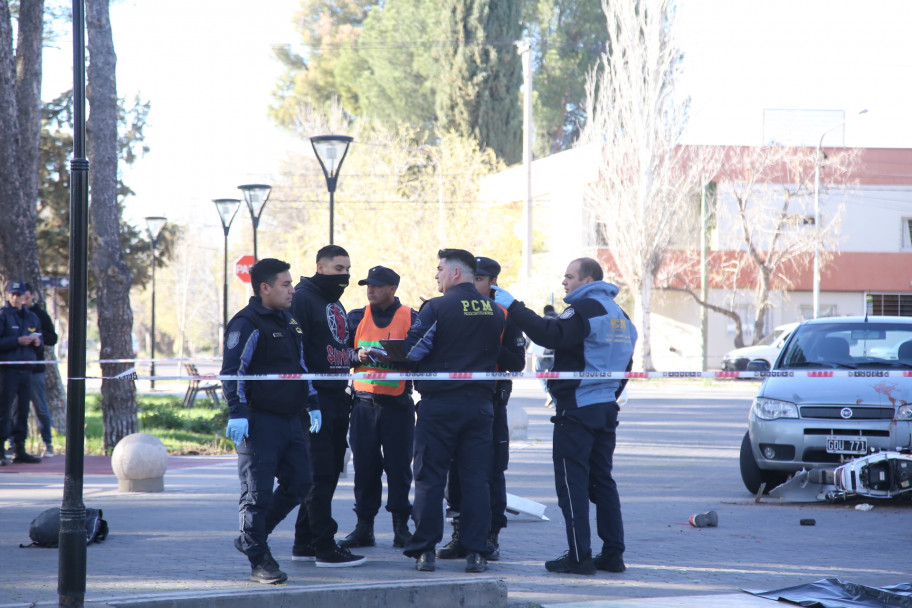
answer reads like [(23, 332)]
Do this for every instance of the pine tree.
[(478, 93)]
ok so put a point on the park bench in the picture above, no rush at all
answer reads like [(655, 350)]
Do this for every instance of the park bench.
[(194, 388)]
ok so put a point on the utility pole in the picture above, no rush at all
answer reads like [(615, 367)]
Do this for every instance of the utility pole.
[(524, 48)]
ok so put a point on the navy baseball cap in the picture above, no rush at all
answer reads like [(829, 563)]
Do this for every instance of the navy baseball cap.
[(487, 267), (380, 275), (17, 287)]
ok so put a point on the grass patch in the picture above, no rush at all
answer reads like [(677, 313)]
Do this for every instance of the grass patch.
[(184, 431)]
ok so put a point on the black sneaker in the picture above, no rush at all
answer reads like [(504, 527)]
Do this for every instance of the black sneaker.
[(452, 550), (426, 562), (3, 461), (567, 565), (339, 557), (475, 562), (22, 456), (267, 572), (303, 553), (610, 563)]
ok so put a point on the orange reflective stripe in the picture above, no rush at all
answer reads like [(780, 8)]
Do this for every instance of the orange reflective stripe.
[(368, 334)]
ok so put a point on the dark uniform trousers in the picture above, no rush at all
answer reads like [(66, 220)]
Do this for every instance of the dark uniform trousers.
[(456, 427), (17, 382), (583, 450), (382, 440), (275, 449), (315, 524), (497, 481)]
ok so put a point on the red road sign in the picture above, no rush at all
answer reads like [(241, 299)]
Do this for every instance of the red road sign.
[(242, 267)]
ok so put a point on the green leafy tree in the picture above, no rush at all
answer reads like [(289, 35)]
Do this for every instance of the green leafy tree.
[(53, 226), (326, 27), (395, 64), (478, 94), (567, 38)]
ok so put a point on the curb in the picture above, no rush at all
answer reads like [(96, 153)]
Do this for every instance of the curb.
[(482, 592)]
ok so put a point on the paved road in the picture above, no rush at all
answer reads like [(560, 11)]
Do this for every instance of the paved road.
[(677, 455)]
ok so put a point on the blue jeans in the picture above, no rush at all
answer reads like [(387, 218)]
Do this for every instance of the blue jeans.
[(40, 405)]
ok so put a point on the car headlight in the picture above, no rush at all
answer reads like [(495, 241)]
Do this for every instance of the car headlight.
[(904, 412), (773, 409)]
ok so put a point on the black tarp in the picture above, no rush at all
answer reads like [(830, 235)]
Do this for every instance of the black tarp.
[(833, 593)]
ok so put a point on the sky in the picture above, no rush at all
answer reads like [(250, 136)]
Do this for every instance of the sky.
[(207, 68)]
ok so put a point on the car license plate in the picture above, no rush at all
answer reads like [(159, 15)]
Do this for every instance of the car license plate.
[(846, 445)]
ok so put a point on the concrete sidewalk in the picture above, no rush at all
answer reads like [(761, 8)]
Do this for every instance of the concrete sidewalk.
[(175, 548)]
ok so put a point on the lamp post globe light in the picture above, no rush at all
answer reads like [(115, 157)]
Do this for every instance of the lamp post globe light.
[(227, 209), (331, 151), (818, 160), (256, 196), (154, 226)]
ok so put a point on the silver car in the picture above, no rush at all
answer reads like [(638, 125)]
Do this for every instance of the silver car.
[(800, 422)]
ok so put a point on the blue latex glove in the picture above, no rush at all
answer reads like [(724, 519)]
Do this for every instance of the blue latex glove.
[(316, 421), (502, 296), (237, 430)]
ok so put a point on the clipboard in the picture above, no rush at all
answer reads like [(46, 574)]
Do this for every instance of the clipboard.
[(395, 349)]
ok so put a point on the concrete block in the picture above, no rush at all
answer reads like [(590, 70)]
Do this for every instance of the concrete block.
[(139, 461)]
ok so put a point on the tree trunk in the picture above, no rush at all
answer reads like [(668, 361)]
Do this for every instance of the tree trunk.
[(763, 304), (641, 319), (115, 316), (20, 79)]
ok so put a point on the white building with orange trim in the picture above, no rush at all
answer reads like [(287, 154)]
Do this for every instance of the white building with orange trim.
[(870, 267)]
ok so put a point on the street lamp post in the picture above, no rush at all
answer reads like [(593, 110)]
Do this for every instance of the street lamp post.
[(817, 162), (256, 196), (331, 151), (227, 209), (154, 225)]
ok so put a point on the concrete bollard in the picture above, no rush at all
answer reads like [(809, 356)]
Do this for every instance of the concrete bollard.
[(517, 421), (139, 462)]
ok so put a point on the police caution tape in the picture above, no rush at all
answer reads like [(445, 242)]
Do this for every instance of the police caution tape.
[(624, 375)]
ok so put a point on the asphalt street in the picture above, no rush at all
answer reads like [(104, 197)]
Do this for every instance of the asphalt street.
[(677, 455)]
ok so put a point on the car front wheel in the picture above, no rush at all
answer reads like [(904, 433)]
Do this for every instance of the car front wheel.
[(752, 475)]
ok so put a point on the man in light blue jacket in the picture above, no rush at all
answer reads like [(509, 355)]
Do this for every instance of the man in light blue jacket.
[(593, 334)]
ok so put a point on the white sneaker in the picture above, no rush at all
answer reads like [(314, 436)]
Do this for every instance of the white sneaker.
[(48, 451)]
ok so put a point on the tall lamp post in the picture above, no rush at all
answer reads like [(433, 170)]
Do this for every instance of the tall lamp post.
[(256, 196), (227, 209), (817, 162), (331, 151), (154, 225)]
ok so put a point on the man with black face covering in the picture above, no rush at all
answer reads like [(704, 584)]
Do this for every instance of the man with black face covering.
[(317, 309)]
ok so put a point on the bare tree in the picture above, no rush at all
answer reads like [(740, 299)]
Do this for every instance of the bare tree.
[(636, 121), (765, 213), (113, 276)]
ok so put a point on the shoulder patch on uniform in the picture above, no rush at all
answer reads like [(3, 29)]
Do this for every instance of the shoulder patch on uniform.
[(567, 313), (232, 340)]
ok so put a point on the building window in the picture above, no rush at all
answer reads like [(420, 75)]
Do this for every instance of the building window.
[(889, 304), (907, 233)]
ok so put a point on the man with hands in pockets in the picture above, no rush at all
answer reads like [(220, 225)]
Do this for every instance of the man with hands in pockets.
[(264, 423)]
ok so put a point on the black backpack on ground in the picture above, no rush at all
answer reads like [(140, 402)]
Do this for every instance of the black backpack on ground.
[(45, 529)]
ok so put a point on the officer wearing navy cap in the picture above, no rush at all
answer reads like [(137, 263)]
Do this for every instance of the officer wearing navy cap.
[(20, 334), (382, 428), (511, 358)]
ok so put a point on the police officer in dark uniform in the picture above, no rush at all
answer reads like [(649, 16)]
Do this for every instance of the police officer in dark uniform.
[(327, 351), (593, 334), (20, 334), (457, 332), (511, 359), (382, 432), (264, 416)]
